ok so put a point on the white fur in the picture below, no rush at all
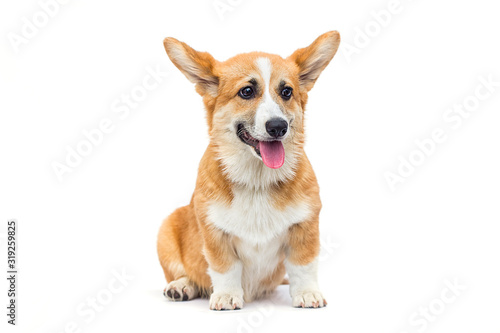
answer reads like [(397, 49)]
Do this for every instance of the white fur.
[(242, 167), (259, 262), (241, 164), (261, 229), (228, 292), (252, 216), (268, 108), (304, 287)]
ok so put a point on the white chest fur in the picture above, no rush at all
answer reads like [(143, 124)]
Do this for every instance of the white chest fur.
[(261, 229), (253, 218), (259, 262)]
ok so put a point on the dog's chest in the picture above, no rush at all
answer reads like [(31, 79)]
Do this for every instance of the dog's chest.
[(260, 261), (253, 217)]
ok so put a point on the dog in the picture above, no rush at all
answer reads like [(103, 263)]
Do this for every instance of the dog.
[(254, 214)]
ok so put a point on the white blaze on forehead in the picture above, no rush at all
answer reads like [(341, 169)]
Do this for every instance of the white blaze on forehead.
[(268, 108), (265, 68)]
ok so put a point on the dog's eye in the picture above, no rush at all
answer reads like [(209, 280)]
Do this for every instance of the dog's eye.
[(246, 93), (286, 93)]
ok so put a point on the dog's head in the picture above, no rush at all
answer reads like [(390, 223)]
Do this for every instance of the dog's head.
[(255, 102)]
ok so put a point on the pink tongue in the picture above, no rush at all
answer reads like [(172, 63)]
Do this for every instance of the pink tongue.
[(273, 153)]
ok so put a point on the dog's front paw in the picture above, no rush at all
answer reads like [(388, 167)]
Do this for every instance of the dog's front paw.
[(226, 301), (308, 299)]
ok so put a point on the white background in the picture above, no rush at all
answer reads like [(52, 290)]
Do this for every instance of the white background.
[(385, 253)]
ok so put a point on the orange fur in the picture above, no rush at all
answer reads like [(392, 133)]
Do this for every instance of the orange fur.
[(187, 242)]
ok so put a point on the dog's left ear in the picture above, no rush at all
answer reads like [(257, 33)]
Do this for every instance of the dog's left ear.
[(312, 60), (198, 67)]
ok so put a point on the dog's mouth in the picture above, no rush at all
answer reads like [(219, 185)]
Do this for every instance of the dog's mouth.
[(248, 139), (271, 152)]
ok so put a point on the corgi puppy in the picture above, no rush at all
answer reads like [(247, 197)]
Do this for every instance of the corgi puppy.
[(254, 213)]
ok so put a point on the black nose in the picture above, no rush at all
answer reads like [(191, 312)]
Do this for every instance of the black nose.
[(276, 128)]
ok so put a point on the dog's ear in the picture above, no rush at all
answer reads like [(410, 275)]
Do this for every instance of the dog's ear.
[(198, 67), (312, 60)]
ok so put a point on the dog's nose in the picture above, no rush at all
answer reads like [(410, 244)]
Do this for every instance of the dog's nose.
[(276, 127)]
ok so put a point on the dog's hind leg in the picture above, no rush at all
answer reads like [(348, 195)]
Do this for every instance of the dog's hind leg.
[(181, 290), (180, 287)]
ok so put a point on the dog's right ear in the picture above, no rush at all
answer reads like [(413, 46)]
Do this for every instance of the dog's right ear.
[(198, 67)]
